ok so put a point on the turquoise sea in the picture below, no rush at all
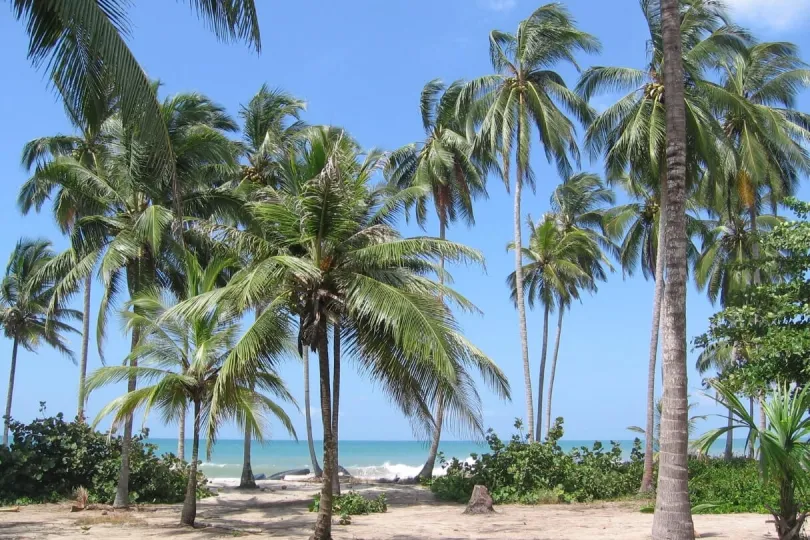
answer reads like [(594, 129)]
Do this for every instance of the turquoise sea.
[(369, 459)]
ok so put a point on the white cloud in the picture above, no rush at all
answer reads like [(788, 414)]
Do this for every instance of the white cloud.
[(499, 5), (771, 14)]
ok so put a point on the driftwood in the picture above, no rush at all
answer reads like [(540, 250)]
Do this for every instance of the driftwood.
[(480, 502), (10, 509)]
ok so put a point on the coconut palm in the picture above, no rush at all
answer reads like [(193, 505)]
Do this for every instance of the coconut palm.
[(329, 253), (523, 93), (180, 359), (88, 148), (783, 446), (83, 42), (561, 264), (448, 170), (25, 309), (632, 132), (673, 517)]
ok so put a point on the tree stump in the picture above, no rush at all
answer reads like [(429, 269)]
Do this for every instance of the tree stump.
[(480, 502)]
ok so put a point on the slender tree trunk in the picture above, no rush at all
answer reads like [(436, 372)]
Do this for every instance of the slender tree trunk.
[(122, 491), (189, 513), (658, 299), (88, 284), (553, 370), (181, 436), (673, 513), (750, 446), (336, 407), (541, 376), (316, 469), (323, 525), (763, 426), (12, 374), (521, 304), (247, 481), (430, 463), (729, 451)]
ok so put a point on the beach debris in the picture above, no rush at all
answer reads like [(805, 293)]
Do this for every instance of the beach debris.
[(283, 487), (260, 476), (76, 508), (104, 512), (82, 496), (10, 509), (480, 502)]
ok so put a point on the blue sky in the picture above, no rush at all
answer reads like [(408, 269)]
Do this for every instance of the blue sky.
[(361, 64)]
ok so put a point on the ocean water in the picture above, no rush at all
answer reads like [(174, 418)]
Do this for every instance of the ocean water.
[(366, 459)]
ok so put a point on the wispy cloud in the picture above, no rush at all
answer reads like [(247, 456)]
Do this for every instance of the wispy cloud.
[(499, 5), (770, 14)]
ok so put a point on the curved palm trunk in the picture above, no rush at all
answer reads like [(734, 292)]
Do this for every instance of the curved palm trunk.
[(541, 377), (181, 436), (88, 283), (673, 517), (763, 426), (316, 469), (336, 408), (12, 374), (122, 491), (729, 451), (189, 513), (553, 370), (521, 305), (247, 481), (751, 412), (430, 462), (658, 298), (323, 525)]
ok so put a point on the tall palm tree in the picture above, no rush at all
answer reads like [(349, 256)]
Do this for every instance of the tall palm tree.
[(181, 360), (328, 251), (524, 93), (451, 173), (83, 42), (561, 263), (25, 309), (632, 132), (88, 147), (673, 517)]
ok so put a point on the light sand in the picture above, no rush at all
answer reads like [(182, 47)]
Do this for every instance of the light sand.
[(413, 514)]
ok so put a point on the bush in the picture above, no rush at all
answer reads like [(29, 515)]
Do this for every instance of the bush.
[(532, 473), (50, 459), (353, 504)]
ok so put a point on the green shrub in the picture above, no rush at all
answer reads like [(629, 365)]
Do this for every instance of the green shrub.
[(534, 473), (50, 458), (352, 504)]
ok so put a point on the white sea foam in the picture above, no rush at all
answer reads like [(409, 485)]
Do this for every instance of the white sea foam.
[(219, 465), (392, 471)]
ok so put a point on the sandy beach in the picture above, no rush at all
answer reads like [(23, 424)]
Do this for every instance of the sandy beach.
[(279, 510)]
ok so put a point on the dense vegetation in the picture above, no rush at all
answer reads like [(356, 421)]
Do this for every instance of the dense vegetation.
[(51, 458)]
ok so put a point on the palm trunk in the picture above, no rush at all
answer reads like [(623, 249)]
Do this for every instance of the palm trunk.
[(122, 491), (553, 370), (189, 513), (181, 436), (673, 516), (750, 447), (316, 469), (88, 283), (763, 426), (336, 408), (323, 525), (729, 451), (658, 298), (541, 377), (430, 462), (521, 305), (247, 481), (12, 374)]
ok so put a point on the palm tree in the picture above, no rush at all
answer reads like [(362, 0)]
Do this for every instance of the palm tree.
[(328, 251), (445, 166), (719, 357), (88, 148), (181, 360), (25, 309), (83, 42), (632, 132), (783, 446), (524, 92), (271, 126), (656, 436), (561, 263), (673, 517)]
